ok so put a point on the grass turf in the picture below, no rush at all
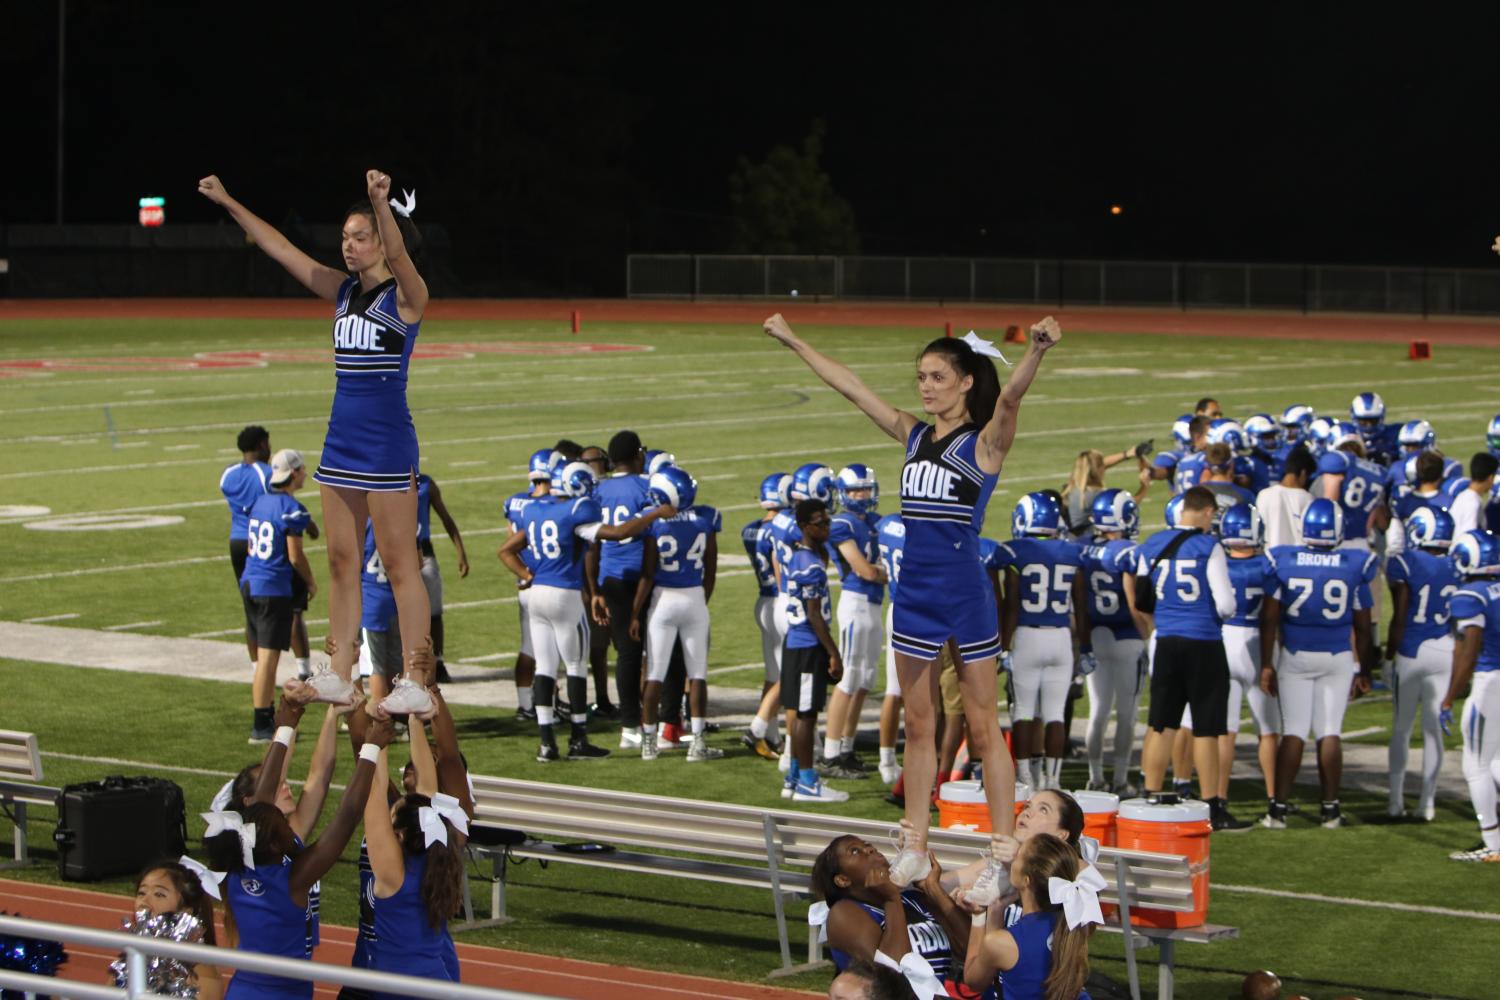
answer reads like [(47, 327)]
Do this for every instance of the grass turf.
[(732, 406)]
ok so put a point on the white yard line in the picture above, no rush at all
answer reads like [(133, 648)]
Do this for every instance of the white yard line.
[(1371, 904), (132, 625), (52, 618)]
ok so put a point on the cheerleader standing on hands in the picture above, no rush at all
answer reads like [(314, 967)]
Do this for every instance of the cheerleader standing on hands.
[(369, 462), (951, 469)]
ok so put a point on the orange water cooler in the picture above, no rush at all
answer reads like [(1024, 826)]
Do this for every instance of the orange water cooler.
[(1180, 828), (962, 804)]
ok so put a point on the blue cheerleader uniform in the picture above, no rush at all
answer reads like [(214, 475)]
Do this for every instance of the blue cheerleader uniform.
[(405, 942), (268, 921), (371, 443), (944, 589), (1028, 979)]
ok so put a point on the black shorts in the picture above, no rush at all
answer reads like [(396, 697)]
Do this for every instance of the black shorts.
[(1189, 672), (804, 678), (239, 551), (299, 592), (268, 619)]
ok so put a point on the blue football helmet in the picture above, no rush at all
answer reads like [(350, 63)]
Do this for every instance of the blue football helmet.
[(575, 479), (1368, 411), (858, 477), (672, 486), (1295, 418), (1037, 515), (1172, 509), (1115, 510), (1492, 436), (1477, 553), (1409, 468), (1323, 524), (1318, 434), (1229, 432), (1417, 435), (1182, 432), (813, 481), (1240, 527), (1263, 432), (658, 460), (1429, 527), (540, 465), (773, 491), (1344, 433)]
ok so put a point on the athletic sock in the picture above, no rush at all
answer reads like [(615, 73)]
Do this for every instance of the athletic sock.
[(758, 728), (887, 756), (578, 695), (1024, 773), (545, 715), (544, 690), (830, 748), (699, 725), (846, 745), (648, 730), (546, 728), (523, 697), (1054, 772), (580, 727), (265, 718), (304, 666), (1491, 838)]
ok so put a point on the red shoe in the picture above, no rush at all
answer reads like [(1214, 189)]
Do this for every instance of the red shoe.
[(671, 737)]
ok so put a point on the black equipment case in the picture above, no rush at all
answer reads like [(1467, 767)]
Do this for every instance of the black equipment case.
[(117, 826)]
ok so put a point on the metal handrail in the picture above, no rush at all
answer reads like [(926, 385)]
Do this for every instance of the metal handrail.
[(136, 948)]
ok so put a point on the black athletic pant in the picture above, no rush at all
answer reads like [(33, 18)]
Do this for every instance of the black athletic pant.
[(619, 596)]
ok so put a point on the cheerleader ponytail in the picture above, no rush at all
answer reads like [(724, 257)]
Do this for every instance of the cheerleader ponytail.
[(1048, 857)]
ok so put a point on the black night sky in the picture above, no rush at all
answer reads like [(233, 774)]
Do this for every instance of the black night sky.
[(566, 134)]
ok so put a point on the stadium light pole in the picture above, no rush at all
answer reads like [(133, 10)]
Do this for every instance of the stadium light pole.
[(62, 29)]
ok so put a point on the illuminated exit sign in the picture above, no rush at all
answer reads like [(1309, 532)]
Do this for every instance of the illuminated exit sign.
[(153, 211)]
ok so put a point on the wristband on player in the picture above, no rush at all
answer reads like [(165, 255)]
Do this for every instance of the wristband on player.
[(370, 752), (979, 919), (285, 735)]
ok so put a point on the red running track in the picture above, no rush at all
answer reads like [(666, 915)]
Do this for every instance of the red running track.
[(482, 966), (1469, 331)]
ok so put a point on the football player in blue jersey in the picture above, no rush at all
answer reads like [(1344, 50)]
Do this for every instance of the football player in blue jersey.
[(810, 659), (556, 529), (539, 474), (1184, 579), (862, 590), (614, 569), (1426, 491), (1243, 537), (369, 462), (1046, 610), (1322, 587), (949, 474), (1164, 466), (1264, 435), (1422, 580), (597, 459), (1367, 410), (1250, 470), (1356, 484), (679, 564), (759, 547), (1492, 436), (1318, 435), (380, 628), (242, 484), (1295, 420), (1115, 685), (890, 534), (1219, 479), (274, 525), (1475, 612), (429, 502), (1190, 466)]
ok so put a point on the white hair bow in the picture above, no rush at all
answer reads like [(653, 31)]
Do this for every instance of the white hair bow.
[(431, 819), (1080, 897), (222, 797), (1089, 848), (219, 822), (918, 972), (208, 879), (817, 916), (985, 347), (405, 209)]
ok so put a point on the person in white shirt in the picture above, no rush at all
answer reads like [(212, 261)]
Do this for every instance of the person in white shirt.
[(1280, 506), (1469, 504)]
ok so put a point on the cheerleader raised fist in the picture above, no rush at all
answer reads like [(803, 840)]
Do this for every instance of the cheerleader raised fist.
[(212, 188), (1045, 333), (778, 329), (379, 186)]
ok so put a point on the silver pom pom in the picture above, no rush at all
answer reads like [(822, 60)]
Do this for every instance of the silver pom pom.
[(166, 976)]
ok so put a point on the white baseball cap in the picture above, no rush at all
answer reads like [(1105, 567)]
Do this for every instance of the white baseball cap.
[(283, 464)]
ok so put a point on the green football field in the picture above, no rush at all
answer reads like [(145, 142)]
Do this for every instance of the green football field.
[(134, 449)]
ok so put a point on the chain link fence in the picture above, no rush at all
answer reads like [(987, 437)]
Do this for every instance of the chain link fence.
[(1174, 284)]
